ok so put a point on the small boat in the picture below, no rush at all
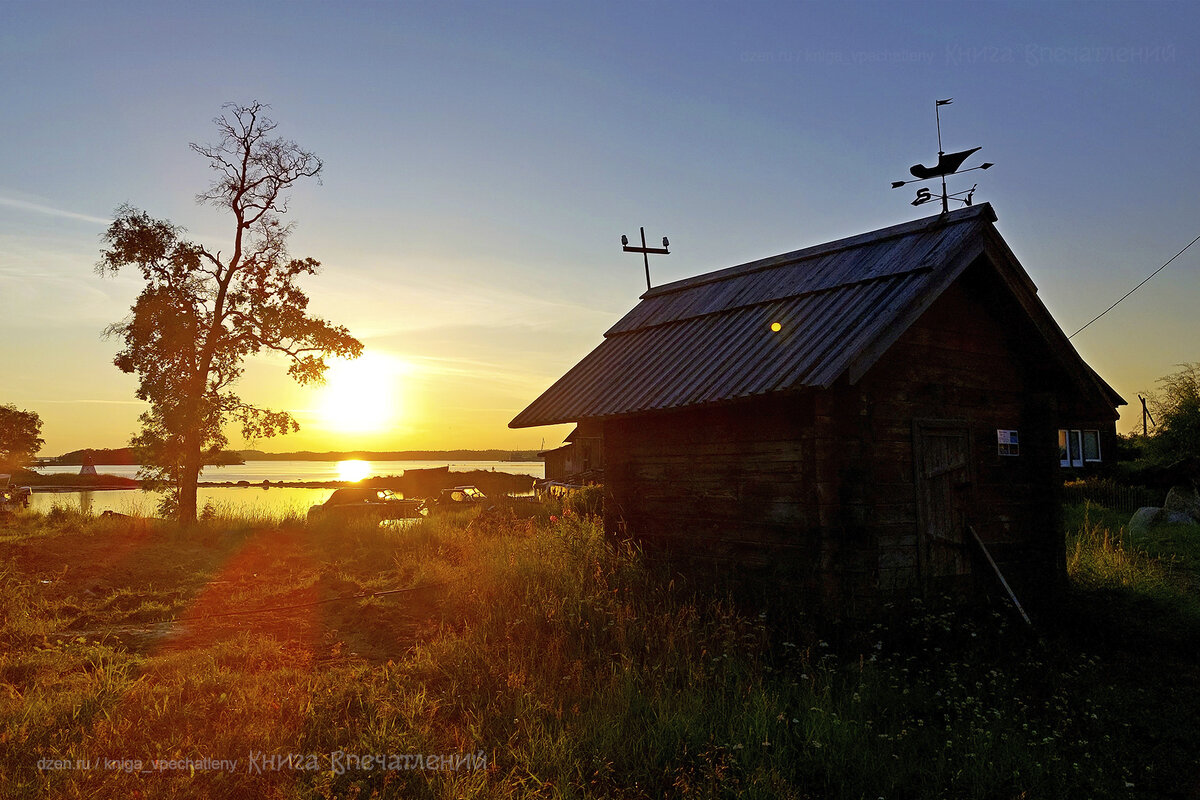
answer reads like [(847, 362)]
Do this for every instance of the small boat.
[(458, 497), (356, 502), (13, 498)]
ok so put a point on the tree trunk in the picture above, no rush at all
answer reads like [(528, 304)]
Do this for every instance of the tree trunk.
[(188, 478)]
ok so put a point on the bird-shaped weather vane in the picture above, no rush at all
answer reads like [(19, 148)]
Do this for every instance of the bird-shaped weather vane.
[(947, 164)]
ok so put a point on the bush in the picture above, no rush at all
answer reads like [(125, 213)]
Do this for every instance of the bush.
[(587, 502), (1176, 409)]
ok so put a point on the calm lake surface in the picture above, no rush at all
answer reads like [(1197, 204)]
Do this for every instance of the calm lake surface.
[(253, 500)]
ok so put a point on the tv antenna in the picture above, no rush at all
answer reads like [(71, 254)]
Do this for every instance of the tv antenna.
[(646, 251), (947, 164)]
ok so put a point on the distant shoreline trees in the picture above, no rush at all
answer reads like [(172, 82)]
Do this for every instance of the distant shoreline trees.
[(202, 313)]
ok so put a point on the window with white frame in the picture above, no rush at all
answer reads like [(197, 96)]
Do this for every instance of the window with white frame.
[(1077, 447)]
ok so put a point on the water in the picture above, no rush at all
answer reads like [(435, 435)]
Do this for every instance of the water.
[(253, 500), (297, 471), (227, 500)]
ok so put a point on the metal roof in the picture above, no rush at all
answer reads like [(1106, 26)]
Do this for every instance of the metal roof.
[(710, 338)]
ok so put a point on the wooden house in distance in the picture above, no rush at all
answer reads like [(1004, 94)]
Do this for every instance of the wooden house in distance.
[(839, 415), (580, 460)]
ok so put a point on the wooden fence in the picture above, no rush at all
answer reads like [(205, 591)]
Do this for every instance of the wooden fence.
[(1112, 495)]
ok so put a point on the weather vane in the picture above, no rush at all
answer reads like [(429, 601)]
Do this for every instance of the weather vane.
[(645, 251), (947, 164)]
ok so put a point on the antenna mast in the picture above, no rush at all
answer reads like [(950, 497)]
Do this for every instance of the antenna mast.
[(646, 251), (937, 115)]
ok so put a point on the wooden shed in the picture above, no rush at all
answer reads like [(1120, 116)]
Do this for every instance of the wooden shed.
[(580, 460), (842, 415)]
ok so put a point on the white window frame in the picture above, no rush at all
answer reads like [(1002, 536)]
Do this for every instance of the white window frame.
[(1071, 449)]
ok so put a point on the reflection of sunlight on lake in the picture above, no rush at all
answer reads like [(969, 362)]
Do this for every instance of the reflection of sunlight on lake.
[(252, 503), (353, 470)]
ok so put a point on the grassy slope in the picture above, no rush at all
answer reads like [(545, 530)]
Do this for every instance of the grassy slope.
[(572, 667)]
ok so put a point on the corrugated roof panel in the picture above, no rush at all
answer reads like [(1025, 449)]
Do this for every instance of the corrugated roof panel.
[(708, 339), (816, 273), (726, 356)]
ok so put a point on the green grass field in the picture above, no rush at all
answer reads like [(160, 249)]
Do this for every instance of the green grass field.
[(533, 658)]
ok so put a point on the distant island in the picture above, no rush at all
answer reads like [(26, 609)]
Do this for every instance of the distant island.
[(117, 456), (125, 455), (394, 455)]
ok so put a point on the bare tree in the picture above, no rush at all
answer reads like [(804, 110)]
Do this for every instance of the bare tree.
[(201, 313)]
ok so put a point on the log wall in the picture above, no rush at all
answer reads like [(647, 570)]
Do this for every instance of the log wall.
[(819, 486)]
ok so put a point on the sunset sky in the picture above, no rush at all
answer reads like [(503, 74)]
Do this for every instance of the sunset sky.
[(483, 159)]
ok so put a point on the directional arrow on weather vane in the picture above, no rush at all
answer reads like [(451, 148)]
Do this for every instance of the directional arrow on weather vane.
[(947, 164)]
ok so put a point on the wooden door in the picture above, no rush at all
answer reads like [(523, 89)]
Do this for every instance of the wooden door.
[(942, 454)]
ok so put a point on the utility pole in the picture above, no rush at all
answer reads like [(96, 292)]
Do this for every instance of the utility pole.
[(645, 251), (1145, 414)]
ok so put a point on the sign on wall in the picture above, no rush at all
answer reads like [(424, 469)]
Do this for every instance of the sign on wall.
[(1008, 443)]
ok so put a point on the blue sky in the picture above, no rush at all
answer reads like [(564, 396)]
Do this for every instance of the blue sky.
[(482, 161)]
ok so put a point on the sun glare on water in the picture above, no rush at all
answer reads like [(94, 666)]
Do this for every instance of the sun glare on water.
[(353, 470)]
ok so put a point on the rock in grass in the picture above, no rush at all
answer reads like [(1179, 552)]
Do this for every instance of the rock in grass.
[(1144, 518), (1183, 500), (1147, 517)]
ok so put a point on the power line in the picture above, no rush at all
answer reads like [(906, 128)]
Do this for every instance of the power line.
[(1134, 289)]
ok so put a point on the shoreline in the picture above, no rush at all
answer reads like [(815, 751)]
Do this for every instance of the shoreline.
[(416, 483)]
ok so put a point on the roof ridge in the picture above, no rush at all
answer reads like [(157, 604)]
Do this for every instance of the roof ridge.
[(827, 248)]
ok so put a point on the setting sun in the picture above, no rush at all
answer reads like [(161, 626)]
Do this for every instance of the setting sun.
[(361, 396)]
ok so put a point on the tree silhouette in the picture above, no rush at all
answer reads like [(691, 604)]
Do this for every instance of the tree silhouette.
[(1176, 408), (19, 436), (201, 314)]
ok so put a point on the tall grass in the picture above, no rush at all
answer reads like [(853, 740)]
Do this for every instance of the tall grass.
[(1157, 565), (563, 658)]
